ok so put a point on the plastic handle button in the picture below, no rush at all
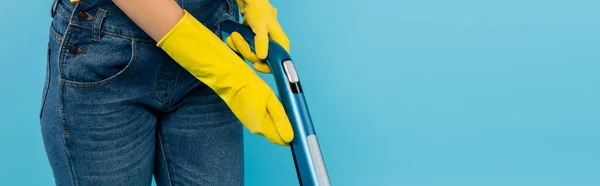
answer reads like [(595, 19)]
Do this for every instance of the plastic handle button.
[(290, 71)]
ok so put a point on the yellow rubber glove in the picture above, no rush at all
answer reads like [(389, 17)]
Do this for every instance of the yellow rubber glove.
[(211, 61), (261, 17)]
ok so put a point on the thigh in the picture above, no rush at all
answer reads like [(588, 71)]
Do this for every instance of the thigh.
[(199, 142), (100, 143), (95, 129)]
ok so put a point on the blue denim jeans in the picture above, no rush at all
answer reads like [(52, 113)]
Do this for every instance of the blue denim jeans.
[(117, 110)]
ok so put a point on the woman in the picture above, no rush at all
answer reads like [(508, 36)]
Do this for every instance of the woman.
[(137, 88)]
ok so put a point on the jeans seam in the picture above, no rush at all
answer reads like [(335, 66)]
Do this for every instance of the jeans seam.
[(61, 53), (55, 36), (222, 16), (46, 81), (61, 100), (158, 77), (231, 7), (64, 136), (115, 34), (173, 91), (61, 17), (162, 150)]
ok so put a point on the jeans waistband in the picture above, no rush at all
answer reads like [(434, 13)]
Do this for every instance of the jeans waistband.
[(105, 17), (87, 4)]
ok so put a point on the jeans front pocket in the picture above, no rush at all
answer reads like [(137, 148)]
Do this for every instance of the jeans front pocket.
[(86, 63)]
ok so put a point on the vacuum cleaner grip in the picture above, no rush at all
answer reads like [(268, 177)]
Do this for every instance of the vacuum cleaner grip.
[(305, 147)]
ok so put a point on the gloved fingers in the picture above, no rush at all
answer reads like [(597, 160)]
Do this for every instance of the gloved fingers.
[(242, 47), (262, 67), (230, 43), (276, 33), (261, 41), (269, 130), (280, 119)]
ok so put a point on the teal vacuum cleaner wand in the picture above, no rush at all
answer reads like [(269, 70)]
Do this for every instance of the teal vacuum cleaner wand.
[(310, 166)]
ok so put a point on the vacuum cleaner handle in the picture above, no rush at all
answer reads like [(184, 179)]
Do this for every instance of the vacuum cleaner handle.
[(310, 166)]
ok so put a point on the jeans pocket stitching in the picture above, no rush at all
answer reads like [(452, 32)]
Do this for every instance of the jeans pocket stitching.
[(55, 35), (106, 81), (61, 53), (223, 14)]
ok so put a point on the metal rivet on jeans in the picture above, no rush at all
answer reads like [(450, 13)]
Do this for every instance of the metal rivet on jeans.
[(82, 16), (73, 49)]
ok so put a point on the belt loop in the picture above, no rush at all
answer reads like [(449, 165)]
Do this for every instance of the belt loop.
[(53, 8), (97, 24)]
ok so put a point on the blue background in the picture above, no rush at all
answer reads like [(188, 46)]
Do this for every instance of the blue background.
[(418, 93)]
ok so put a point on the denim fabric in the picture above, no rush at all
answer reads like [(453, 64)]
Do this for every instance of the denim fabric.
[(117, 110)]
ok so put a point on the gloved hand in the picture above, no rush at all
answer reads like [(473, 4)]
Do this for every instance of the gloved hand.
[(261, 17), (206, 57)]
